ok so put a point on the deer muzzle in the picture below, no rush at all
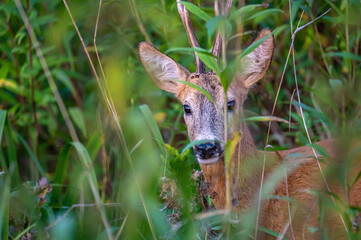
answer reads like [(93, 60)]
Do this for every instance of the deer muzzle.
[(208, 153)]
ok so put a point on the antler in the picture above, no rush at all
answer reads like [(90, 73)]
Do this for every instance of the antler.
[(183, 13), (218, 40)]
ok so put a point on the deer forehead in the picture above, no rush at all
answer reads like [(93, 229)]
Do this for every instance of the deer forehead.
[(211, 83), (208, 81)]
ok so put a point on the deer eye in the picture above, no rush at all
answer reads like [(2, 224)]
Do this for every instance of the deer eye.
[(187, 110), (230, 106)]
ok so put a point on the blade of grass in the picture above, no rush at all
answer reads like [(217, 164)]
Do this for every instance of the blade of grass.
[(346, 55), (196, 11), (189, 50), (31, 154), (200, 89), (191, 144), (60, 170), (265, 119), (2, 123), (5, 180), (147, 113), (25, 231), (94, 144), (11, 153)]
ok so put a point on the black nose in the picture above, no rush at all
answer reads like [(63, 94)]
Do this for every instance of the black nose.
[(207, 150)]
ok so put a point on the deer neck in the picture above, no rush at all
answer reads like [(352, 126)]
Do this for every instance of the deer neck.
[(215, 174)]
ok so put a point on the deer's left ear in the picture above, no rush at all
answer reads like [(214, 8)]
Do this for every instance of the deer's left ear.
[(163, 70), (255, 64)]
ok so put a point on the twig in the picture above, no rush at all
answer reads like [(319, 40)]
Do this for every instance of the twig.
[(303, 26)]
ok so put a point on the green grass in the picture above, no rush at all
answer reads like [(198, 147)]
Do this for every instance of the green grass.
[(131, 175)]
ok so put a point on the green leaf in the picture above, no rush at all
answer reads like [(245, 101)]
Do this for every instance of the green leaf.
[(221, 24), (270, 232), (2, 123), (321, 150), (254, 45), (213, 24), (62, 167), (265, 13), (25, 231), (202, 90), (5, 181), (77, 116), (31, 154), (320, 115), (227, 75), (147, 113), (230, 148), (191, 144), (11, 152), (189, 50), (266, 119), (196, 11), (346, 55), (94, 144), (60, 171), (88, 166), (210, 62), (63, 77), (336, 84), (244, 10)]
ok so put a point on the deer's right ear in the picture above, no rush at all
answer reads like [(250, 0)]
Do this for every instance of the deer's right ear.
[(163, 70)]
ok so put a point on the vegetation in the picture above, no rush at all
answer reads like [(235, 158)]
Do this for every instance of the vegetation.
[(91, 149)]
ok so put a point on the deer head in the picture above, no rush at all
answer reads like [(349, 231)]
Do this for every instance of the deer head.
[(204, 119)]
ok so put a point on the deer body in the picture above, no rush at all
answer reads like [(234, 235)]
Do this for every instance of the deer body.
[(205, 121)]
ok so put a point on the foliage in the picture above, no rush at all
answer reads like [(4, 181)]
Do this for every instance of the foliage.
[(133, 180)]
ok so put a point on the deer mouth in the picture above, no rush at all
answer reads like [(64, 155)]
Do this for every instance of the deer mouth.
[(212, 157), (208, 161), (209, 153)]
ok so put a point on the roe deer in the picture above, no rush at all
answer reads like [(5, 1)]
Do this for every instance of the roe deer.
[(205, 121)]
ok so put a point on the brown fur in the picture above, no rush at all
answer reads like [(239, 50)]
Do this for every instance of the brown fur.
[(207, 122)]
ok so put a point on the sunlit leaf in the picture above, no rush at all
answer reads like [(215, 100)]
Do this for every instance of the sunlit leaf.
[(77, 117), (147, 113), (265, 13), (196, 11), (210, 62), (2, 123), (200, 89), (345, 55)]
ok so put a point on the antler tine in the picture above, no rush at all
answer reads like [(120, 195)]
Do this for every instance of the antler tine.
[(183, 13), (218, 40)]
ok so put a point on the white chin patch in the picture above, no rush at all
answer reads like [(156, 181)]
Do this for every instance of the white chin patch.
[(208, 161)]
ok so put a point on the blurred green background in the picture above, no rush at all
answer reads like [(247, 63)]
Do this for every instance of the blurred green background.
[(131, 181)]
